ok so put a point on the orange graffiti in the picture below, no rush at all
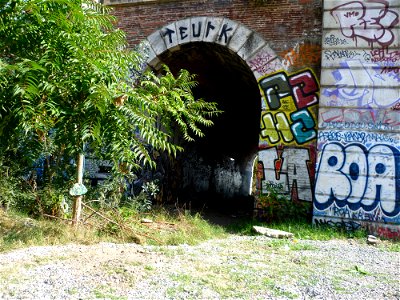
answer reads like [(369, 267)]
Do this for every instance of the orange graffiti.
[(302, 55)]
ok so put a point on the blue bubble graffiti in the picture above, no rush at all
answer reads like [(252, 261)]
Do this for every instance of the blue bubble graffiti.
[(357, 177)]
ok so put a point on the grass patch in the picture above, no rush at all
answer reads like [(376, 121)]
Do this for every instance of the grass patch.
[(392, 246), (300, 229), (166, 228), (18, 230), (104, 292), (356, 270), (277, 291), (188, 229)]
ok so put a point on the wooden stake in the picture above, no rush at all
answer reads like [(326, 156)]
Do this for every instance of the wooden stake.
[(77, 206)]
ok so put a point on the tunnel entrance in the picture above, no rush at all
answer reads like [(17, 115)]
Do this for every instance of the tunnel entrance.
[(216, 171)]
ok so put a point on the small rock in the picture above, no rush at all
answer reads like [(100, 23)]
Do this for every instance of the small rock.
[(372, 240), (28, 222), (146, 220), (273, 233)]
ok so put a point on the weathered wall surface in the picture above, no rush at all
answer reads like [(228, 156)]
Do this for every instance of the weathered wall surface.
[(358, 170)]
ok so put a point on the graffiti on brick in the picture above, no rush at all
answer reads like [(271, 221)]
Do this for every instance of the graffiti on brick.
[(392, 233), (358, 177), (393, 71), (379, 229), (359, 136), (372, 21), (264, 63), (339, 54), (287, 169), (348, 225), (346, 213), (302, 55), (396, 107), (289, 117)]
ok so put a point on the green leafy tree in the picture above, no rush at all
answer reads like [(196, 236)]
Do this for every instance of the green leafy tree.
[(65, 86)]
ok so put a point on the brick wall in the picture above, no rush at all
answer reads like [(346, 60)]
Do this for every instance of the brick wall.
[(282, 23)]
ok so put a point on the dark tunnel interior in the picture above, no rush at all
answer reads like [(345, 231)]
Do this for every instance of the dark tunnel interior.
[(229, 146)]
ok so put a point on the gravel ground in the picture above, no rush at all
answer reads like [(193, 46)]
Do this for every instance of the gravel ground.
[(238, 267)]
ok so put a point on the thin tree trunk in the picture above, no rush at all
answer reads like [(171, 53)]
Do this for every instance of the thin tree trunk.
[(77, 207)]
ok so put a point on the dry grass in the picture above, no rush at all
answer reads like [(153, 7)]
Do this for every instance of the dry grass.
[(18, 231)]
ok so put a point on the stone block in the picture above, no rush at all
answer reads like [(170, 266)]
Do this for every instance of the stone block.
[(239, 38), (253, 43), (157, 42), (212, 29), (273, 233)]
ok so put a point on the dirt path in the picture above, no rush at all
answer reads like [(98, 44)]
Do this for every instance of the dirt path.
[(234, 268)]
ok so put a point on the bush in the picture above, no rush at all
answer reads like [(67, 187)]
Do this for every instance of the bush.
[(275, 206), (14, 190)]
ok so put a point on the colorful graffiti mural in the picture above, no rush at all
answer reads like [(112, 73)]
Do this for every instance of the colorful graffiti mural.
[(290, 103), (358, 168), (289, 170), (288, 134), (358, 84), (355, 177)]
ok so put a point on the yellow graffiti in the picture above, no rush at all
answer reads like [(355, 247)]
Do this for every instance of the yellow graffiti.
[(289, 109)]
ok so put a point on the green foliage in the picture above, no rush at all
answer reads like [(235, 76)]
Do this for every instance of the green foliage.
[(19, 190), (51, 201), (65, 84), (8, 187), (275, 206), (151, 189), (65, 88), (14, 190), (139, 203), (110, 193)]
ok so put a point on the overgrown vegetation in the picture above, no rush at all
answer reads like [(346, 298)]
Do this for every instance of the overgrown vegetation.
[(120, 225), (276, 206), (70, 86), (158, 226)]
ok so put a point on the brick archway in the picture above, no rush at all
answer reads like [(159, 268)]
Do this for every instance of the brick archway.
[(250, 58)]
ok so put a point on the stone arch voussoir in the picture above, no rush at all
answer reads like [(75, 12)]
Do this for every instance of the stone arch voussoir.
[(246, 43)]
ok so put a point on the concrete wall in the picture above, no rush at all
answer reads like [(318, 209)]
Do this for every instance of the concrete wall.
[(358, 169)]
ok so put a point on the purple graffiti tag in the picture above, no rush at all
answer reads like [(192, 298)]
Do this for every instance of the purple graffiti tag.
[(263, 63), (351, 90), (373, 23)]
